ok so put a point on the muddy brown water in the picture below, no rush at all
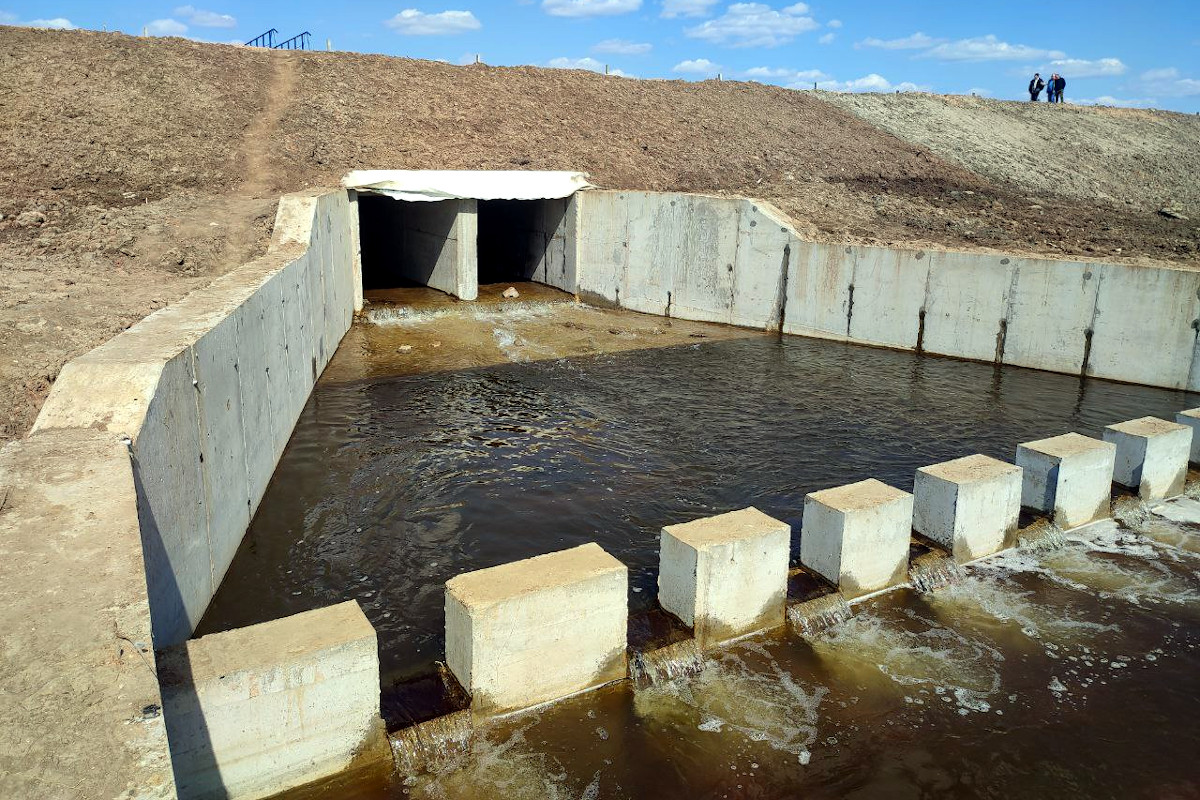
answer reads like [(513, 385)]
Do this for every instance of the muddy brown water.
[(1072, 672)]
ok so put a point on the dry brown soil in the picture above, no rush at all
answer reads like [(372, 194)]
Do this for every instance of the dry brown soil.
[(134, 170)]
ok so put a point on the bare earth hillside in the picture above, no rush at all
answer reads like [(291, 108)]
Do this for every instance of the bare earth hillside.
[(133, 170)]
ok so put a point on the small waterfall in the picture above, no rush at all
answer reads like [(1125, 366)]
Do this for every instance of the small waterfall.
[(428, 746), (665, 664), (1131, 512), (819, 614), (931, 571), (1042, 536)]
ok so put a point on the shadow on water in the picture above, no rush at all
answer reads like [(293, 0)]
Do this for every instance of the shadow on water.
[(390, 487)]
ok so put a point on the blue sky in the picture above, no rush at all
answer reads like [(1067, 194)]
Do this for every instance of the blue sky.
[(1111, 51)]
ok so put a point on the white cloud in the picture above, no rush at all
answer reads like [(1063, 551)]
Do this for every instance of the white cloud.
[(205, 19), (788, 78), (623, 47), (166, 27), (697, 66), (57, 23), (589, 8), (825, 39), (755, 25), (870, 83), (590, 64), (989, 48), (411, 22), (1116, 102), (1168, 81), (687, 8), (1081, 68), (7, 18), (834, 23), (1167, 74), (918, 41)]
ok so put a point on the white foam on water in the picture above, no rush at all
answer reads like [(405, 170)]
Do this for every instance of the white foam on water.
[(732, 696), (393, 315), (922, 655)]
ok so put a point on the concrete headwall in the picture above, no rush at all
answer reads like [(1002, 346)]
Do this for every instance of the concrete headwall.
[(207, 392), (740, 262)]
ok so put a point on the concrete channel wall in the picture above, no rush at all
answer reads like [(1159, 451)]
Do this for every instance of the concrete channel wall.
[(739, 261), (207, 391)]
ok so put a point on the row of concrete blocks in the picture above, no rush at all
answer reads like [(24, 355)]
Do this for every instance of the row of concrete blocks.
[(278, 703), (531, 631)]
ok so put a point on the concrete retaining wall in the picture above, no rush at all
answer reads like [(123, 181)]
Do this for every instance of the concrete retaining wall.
[(207, 392), (739, 261)]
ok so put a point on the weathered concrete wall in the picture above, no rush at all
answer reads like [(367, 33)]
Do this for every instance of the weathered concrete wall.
[(256, 711), (79, 699), (208, 390), (740, 262)]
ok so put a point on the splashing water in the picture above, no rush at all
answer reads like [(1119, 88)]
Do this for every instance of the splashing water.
[(430, 746), (1042, 536), (508, 312), (1131, 512), (665, 664), (819, 614), (932, 571)]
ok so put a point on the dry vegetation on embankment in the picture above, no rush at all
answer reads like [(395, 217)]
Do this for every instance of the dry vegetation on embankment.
[(133, 170)]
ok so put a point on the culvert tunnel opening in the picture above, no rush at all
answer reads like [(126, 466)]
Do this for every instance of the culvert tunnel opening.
[(515, 239), (404, 243)]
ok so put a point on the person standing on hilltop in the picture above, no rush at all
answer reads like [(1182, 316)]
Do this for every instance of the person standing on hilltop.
[(1060, 85), (1035, 87), (1050, 89)]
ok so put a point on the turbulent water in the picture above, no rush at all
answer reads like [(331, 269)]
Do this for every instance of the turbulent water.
[(665, 664), (931, 571), (819, 614)]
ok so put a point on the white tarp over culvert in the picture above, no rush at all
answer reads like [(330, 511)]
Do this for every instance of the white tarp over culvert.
[(431, 185)]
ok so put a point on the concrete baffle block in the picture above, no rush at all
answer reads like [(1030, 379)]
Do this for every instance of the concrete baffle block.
[(725, 576), (535, 630), (259, 710), (857, 535), (1068, 477), (1191, 418), (969, 505), (1152, 456)]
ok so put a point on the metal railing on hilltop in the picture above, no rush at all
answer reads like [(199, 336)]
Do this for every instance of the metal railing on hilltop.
[(301, 41)]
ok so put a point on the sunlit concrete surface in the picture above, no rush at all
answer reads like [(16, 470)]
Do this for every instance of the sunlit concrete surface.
[(969, 505), (529, 631), (725, 576), (1191, 418), (1152, 456), (857, 535), (1069, 477), (258, 710)]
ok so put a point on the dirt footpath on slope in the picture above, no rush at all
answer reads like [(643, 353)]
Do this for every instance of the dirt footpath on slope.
[(134, 170)]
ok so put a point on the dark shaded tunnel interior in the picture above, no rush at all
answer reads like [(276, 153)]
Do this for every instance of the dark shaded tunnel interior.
[(513, 238)]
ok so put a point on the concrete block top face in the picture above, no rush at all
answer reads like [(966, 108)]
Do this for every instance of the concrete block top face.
[(487, 587), (1068, 445), (748, 523), (1194, 413), (970, 469), (860, 496), (1145, 427), (281, 642)]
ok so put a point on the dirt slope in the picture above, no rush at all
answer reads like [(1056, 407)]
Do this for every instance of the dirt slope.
[(133, 170), (1140, 158)]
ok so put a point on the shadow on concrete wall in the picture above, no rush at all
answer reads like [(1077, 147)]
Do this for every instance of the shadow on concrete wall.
[(193, 759)]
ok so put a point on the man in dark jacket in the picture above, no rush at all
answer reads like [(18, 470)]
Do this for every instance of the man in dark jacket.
[(1060, 85), (1035, 87)]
